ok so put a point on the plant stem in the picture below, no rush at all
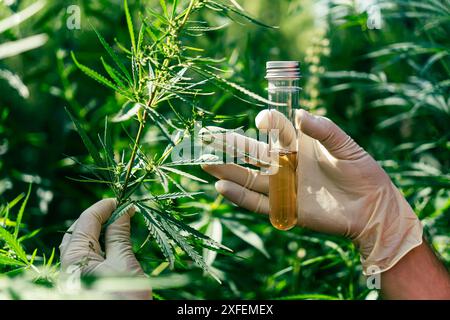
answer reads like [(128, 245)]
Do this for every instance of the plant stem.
[(188, 12), (133, 156)]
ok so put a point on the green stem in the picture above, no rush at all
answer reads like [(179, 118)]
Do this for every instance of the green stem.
[(133, 156), (186, 16)]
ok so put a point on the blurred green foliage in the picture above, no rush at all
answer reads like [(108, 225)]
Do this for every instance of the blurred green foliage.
[(388, 87)]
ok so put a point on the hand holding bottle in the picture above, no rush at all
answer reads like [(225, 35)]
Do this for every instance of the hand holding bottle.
[(341, 188)]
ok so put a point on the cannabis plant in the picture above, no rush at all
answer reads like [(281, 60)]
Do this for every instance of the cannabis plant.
[(12, 48), (13, 255), (157, 68)]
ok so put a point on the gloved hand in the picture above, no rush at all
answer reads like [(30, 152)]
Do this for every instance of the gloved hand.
[(341, 188), (80, 246)]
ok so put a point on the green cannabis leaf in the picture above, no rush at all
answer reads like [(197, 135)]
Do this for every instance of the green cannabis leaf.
[(159, 68)]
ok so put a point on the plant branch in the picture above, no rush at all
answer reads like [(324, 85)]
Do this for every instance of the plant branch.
[(186, 16), (144, 115), (133, 156)]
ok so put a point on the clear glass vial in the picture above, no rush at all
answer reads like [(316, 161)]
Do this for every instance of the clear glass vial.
[(283, 89)]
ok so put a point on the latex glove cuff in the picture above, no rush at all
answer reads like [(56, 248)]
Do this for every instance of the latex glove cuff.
[(390, 233)]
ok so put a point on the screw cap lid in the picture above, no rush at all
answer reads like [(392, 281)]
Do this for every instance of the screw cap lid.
[(282, 70)]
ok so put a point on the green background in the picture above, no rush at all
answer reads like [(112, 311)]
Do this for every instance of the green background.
[(388, 88)]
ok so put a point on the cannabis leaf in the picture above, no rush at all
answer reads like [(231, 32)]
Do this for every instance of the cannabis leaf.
[(159, 68)]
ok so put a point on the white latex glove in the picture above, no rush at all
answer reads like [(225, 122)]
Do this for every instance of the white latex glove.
[(341, 188), (80, 246)]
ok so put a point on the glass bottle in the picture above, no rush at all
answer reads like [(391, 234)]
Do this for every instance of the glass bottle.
[(283, 89)]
